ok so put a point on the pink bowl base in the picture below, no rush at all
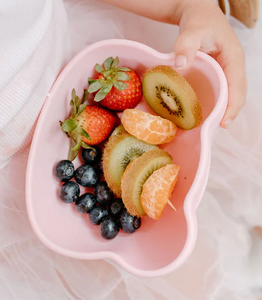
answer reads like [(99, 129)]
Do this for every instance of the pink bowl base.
[(158, 247)]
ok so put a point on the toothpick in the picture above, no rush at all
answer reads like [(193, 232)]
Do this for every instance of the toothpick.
[(170, 203)]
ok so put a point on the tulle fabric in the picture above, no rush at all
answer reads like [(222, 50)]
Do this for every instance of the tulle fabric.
[(224, 264)]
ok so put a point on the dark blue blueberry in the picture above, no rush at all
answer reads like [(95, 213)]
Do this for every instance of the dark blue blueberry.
[(97, 215), (109, 228), (129, 223), (100, 167), (86, 176), (92, 155), (64, 170), (116, 207), (85, 203), (103, 193), (69, 192)]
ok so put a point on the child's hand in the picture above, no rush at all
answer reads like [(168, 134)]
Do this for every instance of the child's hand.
[(204, 27)]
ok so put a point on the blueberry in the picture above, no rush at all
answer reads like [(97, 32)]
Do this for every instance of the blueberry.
[(103, 193), (109, 228), (92, 155), (69, 192), (85, 203), (116, 207), (97, 215), (129, 223), (64, 170), (86, 176), (100, 167)]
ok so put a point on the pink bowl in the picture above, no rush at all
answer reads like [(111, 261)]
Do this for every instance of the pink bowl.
[(158, 247)]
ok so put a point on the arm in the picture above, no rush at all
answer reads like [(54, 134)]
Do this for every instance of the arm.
[(202, 26), (169, 12)]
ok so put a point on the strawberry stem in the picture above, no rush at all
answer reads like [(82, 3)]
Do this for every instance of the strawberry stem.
[(71, 127), (112, 76)]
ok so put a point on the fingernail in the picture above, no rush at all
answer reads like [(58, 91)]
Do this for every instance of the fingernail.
[(228, 122), (180, 62)]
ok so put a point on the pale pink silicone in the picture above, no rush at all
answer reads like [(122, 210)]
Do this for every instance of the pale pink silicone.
[(158, 247)]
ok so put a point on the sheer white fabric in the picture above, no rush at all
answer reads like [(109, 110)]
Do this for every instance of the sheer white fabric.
[(33, 49), (224, 264)]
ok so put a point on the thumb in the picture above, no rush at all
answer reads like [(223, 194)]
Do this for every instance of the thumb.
[(186, 46)]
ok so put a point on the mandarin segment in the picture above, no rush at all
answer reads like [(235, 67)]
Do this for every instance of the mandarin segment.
[(147, 127), (157, 190), (136, 174)]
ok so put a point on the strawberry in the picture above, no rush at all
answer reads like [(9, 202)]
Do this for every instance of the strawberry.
[(116, 88), (87, 125)]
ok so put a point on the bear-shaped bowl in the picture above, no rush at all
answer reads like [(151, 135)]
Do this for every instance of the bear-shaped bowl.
[(158, 247)]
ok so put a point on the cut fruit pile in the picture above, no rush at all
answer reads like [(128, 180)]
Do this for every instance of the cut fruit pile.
[(121, 149), (138, 176)]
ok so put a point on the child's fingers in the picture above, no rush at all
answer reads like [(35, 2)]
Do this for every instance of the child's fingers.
[(233, 64), (186, 46)]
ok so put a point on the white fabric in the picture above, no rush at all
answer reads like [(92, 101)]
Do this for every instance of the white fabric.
[(225, 263), (32, 51)]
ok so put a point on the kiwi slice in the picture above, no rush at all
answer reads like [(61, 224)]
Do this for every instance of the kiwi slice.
[(136, 175), (172, 97), (119, 129), (120, 150)]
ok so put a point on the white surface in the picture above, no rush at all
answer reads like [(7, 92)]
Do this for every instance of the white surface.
[(32, 51), (225, 263)]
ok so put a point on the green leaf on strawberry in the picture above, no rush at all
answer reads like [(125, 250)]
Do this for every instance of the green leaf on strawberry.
[(87, 121), (114, 88), (120, 85), (71, 153), (112, 75), (86, 146), (81, 108), (99, 68), (123, 69), (78, 143), (85, 96), (122, 76), (108, 63), (94, 87), (115, 63), (105, 89), (71, 126)]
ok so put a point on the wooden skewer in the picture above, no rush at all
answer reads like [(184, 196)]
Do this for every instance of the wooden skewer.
[(170, 203)]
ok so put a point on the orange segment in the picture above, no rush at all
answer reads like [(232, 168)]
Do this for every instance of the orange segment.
[(148, 128), (158, 189)]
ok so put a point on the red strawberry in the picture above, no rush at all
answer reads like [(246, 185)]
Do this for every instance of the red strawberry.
[(87, 125), (116, 88)]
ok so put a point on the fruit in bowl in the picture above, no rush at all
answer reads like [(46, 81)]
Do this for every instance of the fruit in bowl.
[(128, 161), (119, 151), (172, 97), (145, 252), (134, 167), (116, 88), (147, 127)]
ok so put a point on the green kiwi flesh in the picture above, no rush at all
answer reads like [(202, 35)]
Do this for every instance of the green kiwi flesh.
[(172, 97), (119, 129), (121, 149)]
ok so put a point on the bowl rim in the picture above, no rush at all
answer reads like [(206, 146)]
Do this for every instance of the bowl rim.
[(189, 206)]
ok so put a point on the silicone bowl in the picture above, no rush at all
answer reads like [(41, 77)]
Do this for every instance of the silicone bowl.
[(158, 247)]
